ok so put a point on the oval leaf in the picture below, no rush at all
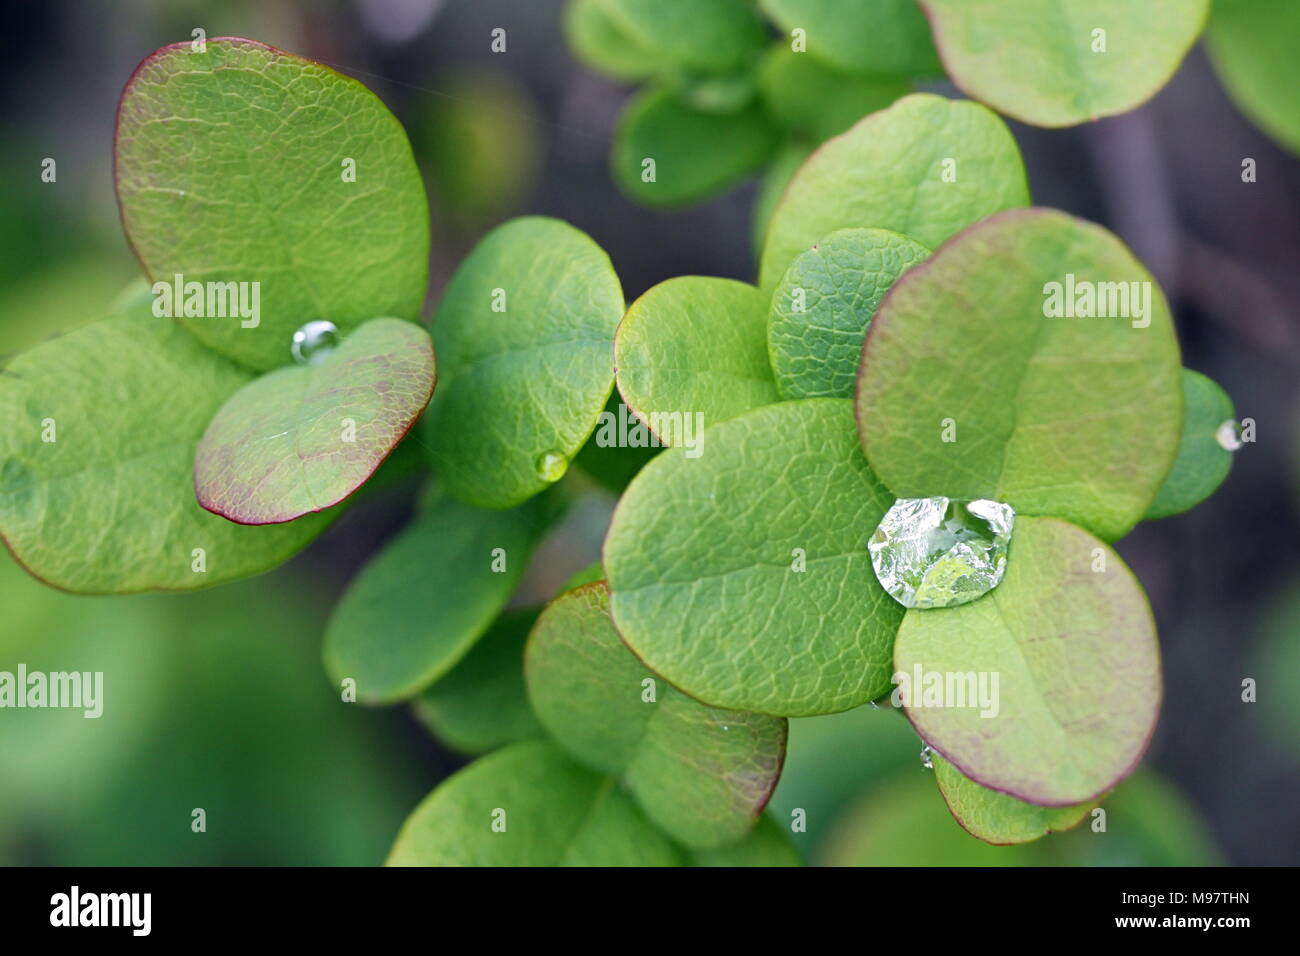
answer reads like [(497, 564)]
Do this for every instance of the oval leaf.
[(822, 306), (811, 98), (707, 35), (702, 775), (1067, 61), (978, 382), (1252, 46), (1202, 463), (246, 164), (417, 608), (926, 167), (883, 37), (602, 45), (692, 351), (997, 818), (97, 462), (525, 344), (667, 153), (482, 704), (303, 438), (529, 805), (743, 577), (1069, 638)]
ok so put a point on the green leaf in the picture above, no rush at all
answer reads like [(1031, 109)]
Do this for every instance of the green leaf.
[(822, 306), (895, 170), (707, 35), (883, 37), (713, 92), (700, 774), (809, 97), (600, 44), (997, 818), (108, 504), (303, 438), (1252, 47), (525, 345), (1202, 463), (766, 845), (417, 608), (548, 811), (701, 559), (692, 351), (1047, 64), (667, 153), (969, 388), (481, 703), (1070, 640), (231, 166)]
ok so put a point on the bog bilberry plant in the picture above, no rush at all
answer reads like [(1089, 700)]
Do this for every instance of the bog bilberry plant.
[(927, 422)]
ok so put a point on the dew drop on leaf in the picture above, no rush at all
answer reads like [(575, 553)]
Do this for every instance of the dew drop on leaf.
[(1228, 435), (927, 757), (314, 341), (940, 552), (551, 467)]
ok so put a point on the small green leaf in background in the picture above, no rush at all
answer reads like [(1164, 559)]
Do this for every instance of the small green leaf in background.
[(525, 345), (996, 817), (589, 575), (97, 462), (1067, 61), (706, 35), (602, 45), (743, 576), (822, 306), (481, 703), (530, 805), (667, 153), (416, 609), (1070, 638), (789, 157), (811, 98), (694, 346), (882, 38), (702, 775), (713, 92), (1252, 47), (969, 387), (768, 844), (1202, 463), (302, 438), (927, 167), (232, 165)]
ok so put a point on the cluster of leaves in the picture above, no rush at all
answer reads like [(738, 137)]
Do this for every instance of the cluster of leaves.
[(641, 717), (730, 89)]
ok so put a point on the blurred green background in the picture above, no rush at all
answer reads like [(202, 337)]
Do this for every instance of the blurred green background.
[(217, 700)]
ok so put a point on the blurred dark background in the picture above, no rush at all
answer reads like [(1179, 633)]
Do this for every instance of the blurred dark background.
[(229, 707)]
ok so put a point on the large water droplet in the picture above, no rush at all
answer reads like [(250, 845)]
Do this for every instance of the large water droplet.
[(938, 552), (927, 757), (314, 341), (551, 467), (1228, 435)]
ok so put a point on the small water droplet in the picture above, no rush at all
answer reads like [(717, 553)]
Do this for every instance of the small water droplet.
[(314, 341), (927, 757), (1228, 435), (551, 467)]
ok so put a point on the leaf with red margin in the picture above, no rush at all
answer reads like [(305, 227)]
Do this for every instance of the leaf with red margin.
[(1070, 637), (302, 438)]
